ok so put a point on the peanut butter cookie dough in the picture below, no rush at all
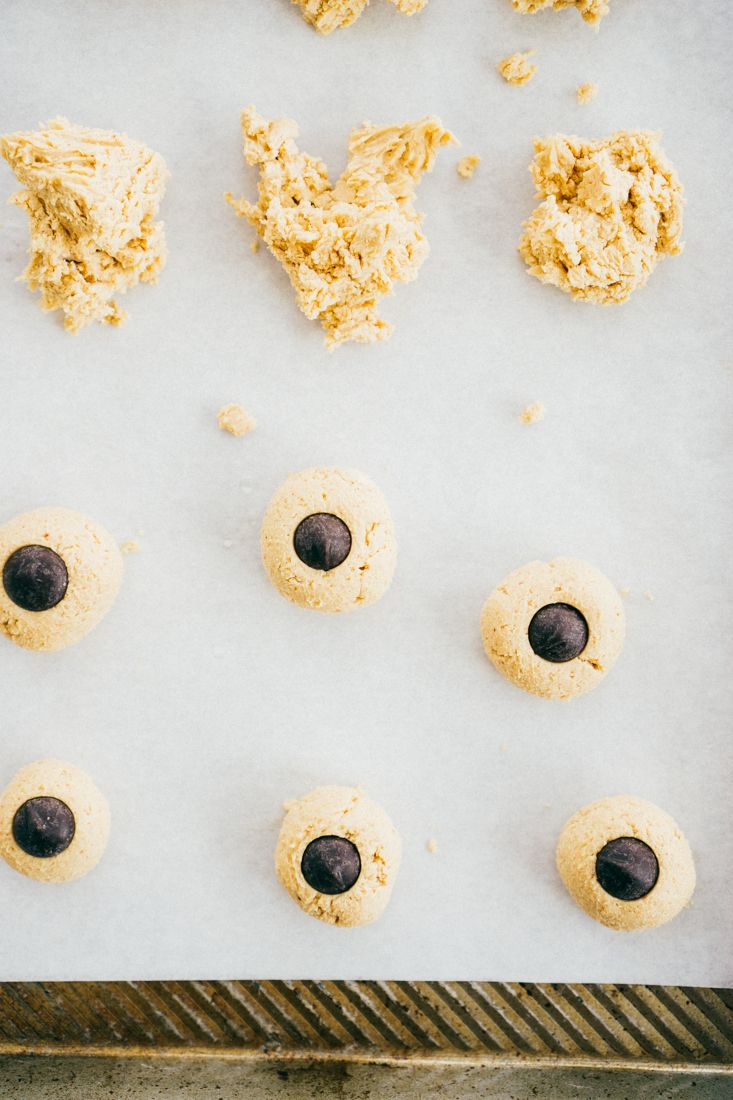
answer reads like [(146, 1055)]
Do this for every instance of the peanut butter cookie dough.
[(327, 540), (338, 855), (626, 863), (611, 210), (330, 15), (54, 822), (592, 11), (517, 67), (60, 573), (342, 246), (91, 198), (554, 628)]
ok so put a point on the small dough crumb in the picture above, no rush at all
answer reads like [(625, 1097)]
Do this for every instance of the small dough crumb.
[(130, 546), (255, 245), (625, 591), (649, 596), (467, 166), (586, 92), (533, 413), (517, 68), (235, 420), (432, 845)]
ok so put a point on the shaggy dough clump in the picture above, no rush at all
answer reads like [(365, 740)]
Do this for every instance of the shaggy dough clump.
[(330, 15), (343, 246), (344, 812), (58, 780), (611, 209), (517, 68), (235, 420), (591, 10), (467, 166), (91, 197), (586, 833)]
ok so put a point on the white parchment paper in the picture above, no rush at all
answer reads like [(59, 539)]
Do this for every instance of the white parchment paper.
[(204, 699)]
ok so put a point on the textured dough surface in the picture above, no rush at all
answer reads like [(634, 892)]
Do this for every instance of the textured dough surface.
[(367, 572), (342, 246), (611, 209), (591, 10), (517, 67), (94, 564), (349, 813), (91, 817), (91, 197), (624, 815), (330, 15), (507, 613)]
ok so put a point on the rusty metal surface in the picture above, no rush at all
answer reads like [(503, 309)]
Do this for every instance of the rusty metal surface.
[(439, 1022)]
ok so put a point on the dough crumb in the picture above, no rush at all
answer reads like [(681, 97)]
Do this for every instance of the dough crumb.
[(649, 596), (344, 246), (130, 546), (586, 92), (533, 413), (91, 197), (330, 15), (625, 592), (432, 846), (610, 210), (235, 420), (592, 11), (517, 68), (255, 246), (467, 166)]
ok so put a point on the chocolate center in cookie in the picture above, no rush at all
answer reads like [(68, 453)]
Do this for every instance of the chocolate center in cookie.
[(322, 541), (558, 632), (43, 826), (35, 578), (627, 868), (331, 864)]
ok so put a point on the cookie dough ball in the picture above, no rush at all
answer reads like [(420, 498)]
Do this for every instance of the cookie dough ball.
[(54, 823), (327, 540), (60, 575), (554, 628), (626, 863), (337, 855)]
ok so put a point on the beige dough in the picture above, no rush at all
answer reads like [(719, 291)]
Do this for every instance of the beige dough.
[(586, 92), (611, 209), (91, 197), (467, 166), (73, 787), (591, 10), (236, 420), (509, 609), (342, 246), (344, 812), (365, 575), (330, 15), (94, 565), (591, 828), (517, 68)]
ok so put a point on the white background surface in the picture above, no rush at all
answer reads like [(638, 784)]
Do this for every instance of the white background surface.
[(204, 699)]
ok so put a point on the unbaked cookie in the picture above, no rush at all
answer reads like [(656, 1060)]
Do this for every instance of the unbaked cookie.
[(60, 573), (337, 855), (591, 10), (329, 15), (626, 863), (54, 823), (328, 541), (611, 210), (91, 197), (342, 246), (554, 628)]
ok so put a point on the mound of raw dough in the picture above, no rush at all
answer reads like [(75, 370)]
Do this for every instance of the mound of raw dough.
[(611, 209), (91, 197), (591, 10), (330, 15), (343, 246)]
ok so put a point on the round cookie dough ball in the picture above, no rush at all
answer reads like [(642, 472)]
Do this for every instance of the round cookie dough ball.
[(554, 628), (327, 540), (59, 575), (54, 823), (337, 855), (626, 863)]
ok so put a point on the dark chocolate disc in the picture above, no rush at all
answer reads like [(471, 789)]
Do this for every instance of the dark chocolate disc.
[(322, 541), (331, 864), (558, 632), (43, 826), (35, 578), (627, 868)]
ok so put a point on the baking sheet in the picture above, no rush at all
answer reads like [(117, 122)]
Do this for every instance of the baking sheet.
[(204, 699)]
